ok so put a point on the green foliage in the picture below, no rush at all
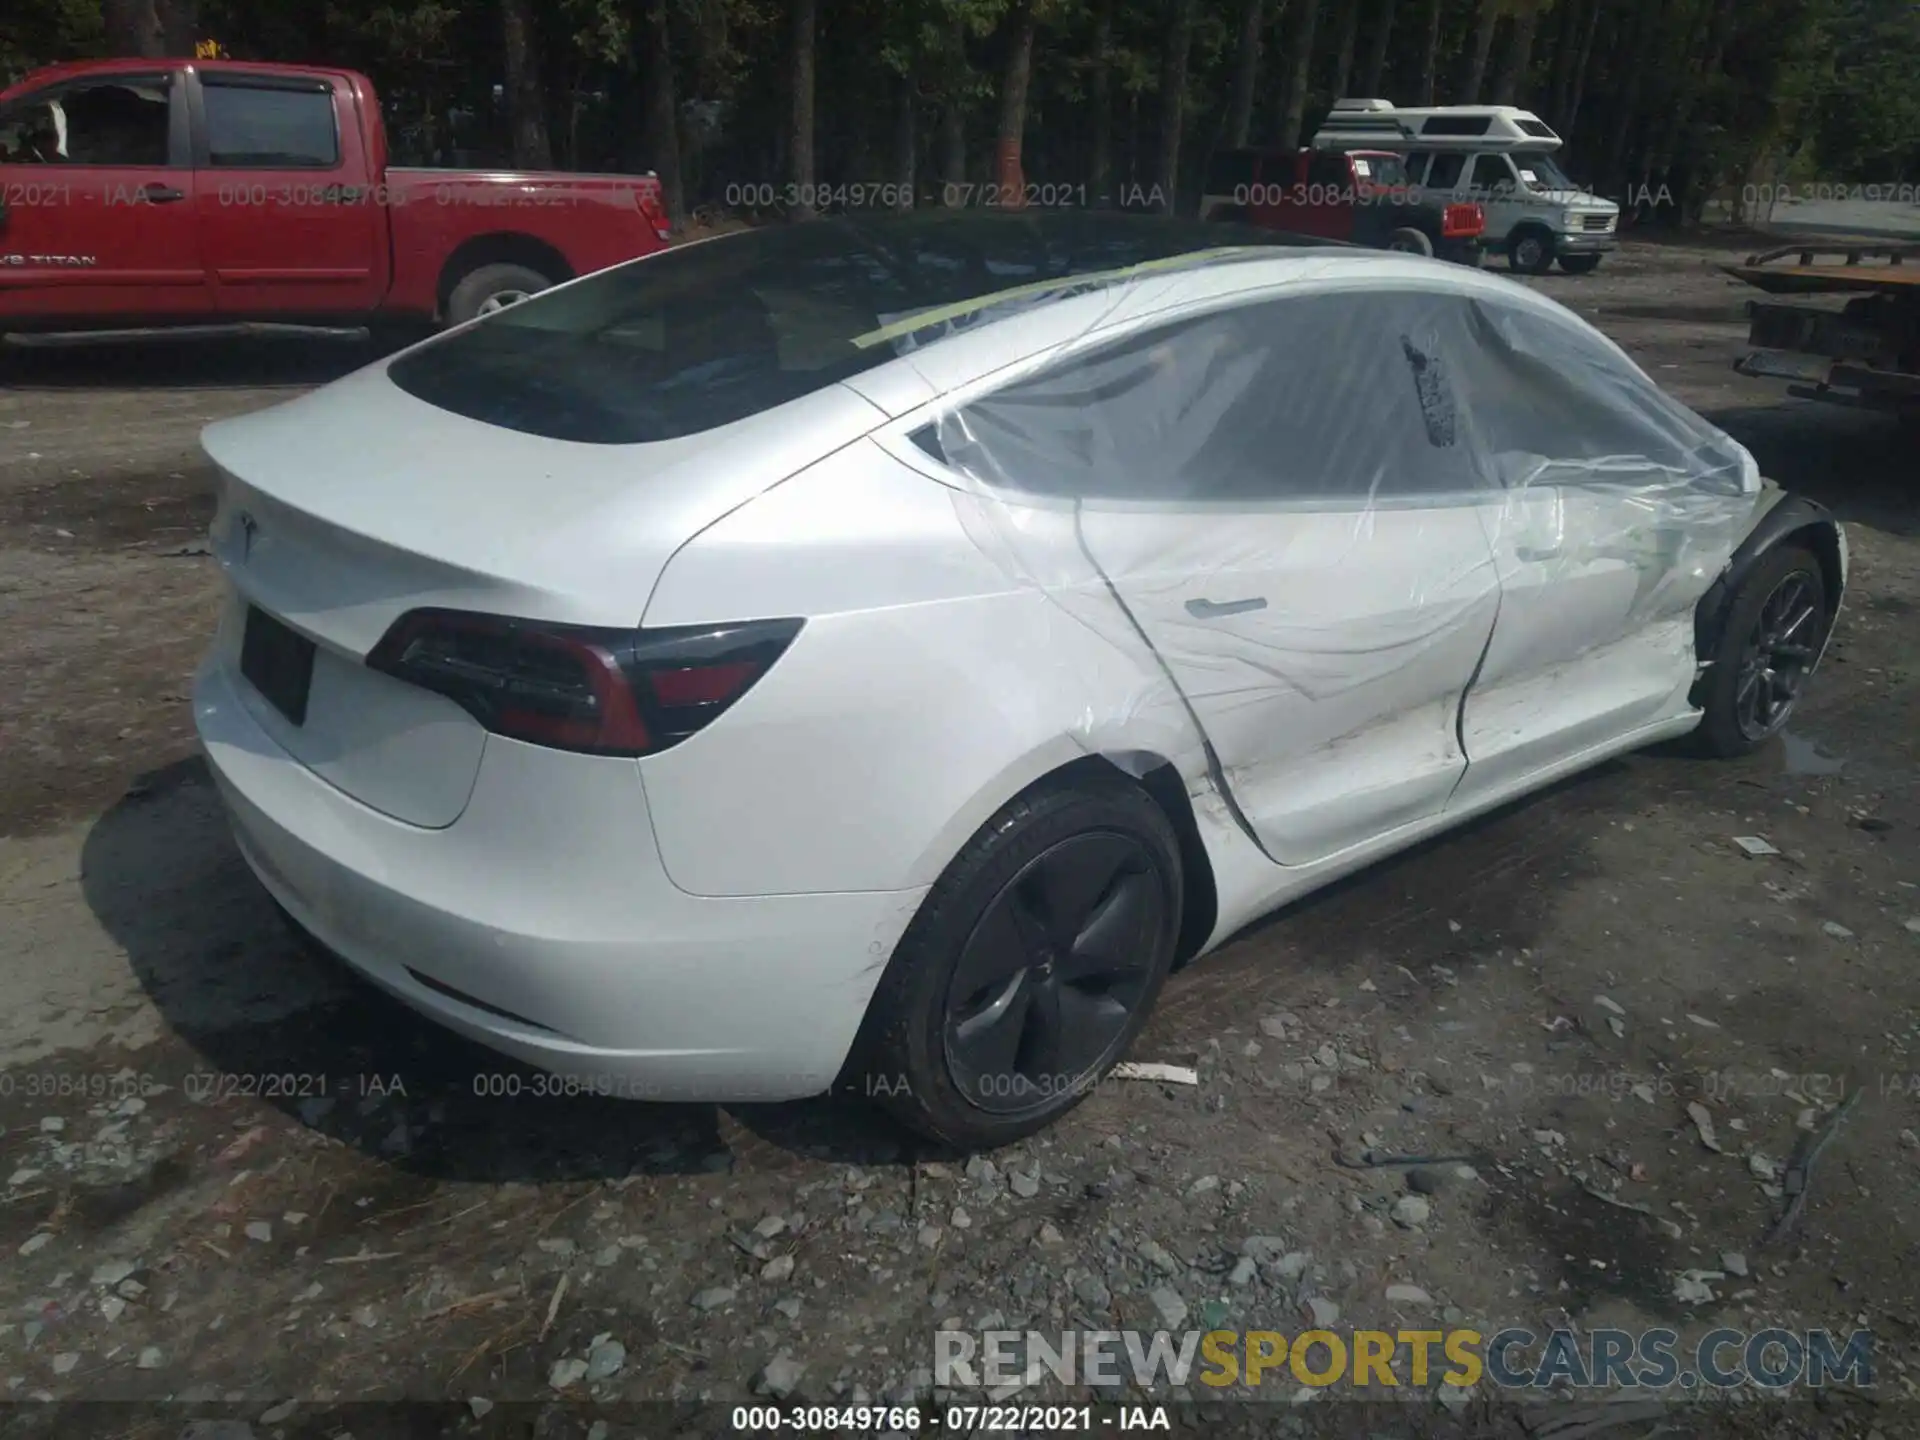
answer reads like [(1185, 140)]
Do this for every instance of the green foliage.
[(35, 32), (1815, 89)]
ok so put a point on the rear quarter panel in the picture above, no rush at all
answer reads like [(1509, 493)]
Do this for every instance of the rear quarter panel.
[(928, 687)]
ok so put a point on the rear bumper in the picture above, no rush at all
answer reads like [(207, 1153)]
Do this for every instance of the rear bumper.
[(1461, 252), (542, 924)]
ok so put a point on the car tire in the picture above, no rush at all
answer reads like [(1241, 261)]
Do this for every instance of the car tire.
[(1530, 252), (1409, 241), (1579, 264), (1785, 589), (1006, 939), (488, 288)]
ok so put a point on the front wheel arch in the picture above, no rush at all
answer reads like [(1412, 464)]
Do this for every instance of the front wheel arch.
[(1794, 521)]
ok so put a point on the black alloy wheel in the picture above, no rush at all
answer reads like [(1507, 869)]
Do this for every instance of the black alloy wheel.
[(1030, 967), (1053, 972), (1775, 627), (1779, 650)]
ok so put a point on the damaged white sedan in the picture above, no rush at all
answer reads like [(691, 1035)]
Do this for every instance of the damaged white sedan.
[(877, 651)]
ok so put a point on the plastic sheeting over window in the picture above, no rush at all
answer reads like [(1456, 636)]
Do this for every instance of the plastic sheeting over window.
[(1363, 536)]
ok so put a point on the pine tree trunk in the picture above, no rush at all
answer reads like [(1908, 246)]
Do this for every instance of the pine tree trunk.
[(905, 143), (1293, 97), (1246, 73), (1474, 77), (1374, 72), (1173, 100), (526, 94), (1578, 88), (800, 143), (1430, 55), (1626, 116), (179, 26), (132, 29), (953, 119), (1343, 52), (1566, 39), (1009, 175), (1511, 87), (661, 131), (1100, 100)]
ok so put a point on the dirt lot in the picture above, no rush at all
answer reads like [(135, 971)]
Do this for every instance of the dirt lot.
[(1544, 994)]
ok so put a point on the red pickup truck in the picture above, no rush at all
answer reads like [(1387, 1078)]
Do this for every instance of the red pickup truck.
[(159, 193)]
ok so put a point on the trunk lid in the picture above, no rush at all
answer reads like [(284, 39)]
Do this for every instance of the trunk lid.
[(343, 509)]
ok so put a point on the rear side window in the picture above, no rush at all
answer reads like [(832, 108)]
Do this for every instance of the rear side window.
[(703, 335), (261, 127), (1339, 399)]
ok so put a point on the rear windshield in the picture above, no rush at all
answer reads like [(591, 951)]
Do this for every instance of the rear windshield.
[(706, 334)]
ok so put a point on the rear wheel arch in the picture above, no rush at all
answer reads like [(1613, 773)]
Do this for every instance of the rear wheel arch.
[(1066, 765), (1091, 798), (500, 248)]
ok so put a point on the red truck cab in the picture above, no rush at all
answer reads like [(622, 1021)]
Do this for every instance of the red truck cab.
[(161, 193), (1357, 197)]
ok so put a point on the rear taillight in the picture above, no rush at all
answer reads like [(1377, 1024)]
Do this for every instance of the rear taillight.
[(1460, 221), (572, 687)]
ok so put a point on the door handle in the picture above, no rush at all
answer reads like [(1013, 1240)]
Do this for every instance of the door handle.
[(1534, 553), (1215, 609), (161, 194)]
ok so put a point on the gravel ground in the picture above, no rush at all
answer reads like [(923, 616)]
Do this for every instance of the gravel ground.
[(230, 1173)]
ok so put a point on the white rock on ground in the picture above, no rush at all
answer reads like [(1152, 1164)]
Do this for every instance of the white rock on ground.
[(779, 1377), (1410, 1212)]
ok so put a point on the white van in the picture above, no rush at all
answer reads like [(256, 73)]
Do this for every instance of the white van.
[(1497, 156)]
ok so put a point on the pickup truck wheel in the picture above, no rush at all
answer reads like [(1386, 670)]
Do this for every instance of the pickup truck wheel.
[(1531, 252), (490, 288), (1409, 241), (1579, 264)]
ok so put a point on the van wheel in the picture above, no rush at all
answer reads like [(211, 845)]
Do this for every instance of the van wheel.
[(1029, 969), (489, 288), (1409, 241), (1579, 264), (1531, 252)]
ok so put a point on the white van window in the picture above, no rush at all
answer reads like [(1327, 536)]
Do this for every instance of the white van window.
[(1446, 171), (1491, 172)]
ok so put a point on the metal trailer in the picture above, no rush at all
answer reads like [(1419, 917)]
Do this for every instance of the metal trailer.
[(1864, 352)]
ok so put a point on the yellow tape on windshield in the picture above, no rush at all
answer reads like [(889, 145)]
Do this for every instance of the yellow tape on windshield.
[(961, 308)]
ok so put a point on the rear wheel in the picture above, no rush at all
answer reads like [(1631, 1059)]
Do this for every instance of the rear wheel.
[(1579, 264), (1531, 252), (1031, 967), (1409, 241), (489, 288), (1774, 630)]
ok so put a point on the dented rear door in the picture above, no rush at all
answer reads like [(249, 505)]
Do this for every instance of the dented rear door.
[(1277, 500)]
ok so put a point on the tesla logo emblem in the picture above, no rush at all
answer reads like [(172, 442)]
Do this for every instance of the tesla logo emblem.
[(249, 532)]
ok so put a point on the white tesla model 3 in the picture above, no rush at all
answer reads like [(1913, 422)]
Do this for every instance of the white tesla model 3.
[(876, 651)]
